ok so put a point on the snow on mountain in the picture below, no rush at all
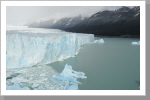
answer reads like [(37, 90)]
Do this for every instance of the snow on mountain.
[(54, 17), (30, 48), (57, 22), (108, 22)]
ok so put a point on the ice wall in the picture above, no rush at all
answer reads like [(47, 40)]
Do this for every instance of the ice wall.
[(25, 49)]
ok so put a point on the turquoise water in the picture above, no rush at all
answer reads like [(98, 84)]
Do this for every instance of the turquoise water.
[(114, 65)]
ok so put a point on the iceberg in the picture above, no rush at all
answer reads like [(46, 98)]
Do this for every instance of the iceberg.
[(68, 78), (69, 72), (135, 43), (31, 48), (99, 41)]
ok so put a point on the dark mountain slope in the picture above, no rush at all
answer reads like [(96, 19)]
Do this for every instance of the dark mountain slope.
[(124, 21)]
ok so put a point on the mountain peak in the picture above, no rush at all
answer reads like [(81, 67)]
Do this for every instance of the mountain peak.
[(136, 8), (123, 9)]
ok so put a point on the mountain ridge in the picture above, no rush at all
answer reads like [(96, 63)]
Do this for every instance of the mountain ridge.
[(124, 21)]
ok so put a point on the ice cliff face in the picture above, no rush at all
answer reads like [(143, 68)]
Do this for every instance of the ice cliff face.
[(25, 49)]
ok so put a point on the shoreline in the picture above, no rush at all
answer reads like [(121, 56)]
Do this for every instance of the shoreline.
[(122, 36)]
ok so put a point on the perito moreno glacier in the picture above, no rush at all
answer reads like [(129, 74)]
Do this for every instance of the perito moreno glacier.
[(30, 48)]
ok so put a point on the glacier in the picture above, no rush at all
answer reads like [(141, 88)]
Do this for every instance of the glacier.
[(68, 78), (28, 47)]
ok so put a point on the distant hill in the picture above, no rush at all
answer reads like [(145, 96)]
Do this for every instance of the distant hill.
[(121, 22)]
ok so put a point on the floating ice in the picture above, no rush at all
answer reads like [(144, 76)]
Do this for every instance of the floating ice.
[(35, 85), (18, 80), (30, 48), (68, 77), (69, 72), (71, 87), (41, 88), (16, 86), (42, 74), (99, 41), (12, 75), (135, 43)]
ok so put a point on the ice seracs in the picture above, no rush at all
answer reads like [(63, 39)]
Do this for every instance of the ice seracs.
[(68, 78), (30, 48), (135, 43)]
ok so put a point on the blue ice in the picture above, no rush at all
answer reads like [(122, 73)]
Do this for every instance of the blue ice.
[(68, 77), (16, 86), (71, 87)]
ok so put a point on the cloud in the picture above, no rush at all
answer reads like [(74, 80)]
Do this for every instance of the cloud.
[(19, 15)]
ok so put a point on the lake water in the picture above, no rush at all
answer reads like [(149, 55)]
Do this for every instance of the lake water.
[(114, 65)]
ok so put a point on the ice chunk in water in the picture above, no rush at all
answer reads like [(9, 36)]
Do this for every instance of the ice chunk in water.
[(57, 82), (35, 85), (68, 77), (43, 74), (135, 43), (99, 41), (16, 86), (71, 87), (78, 74), (67, 70), (18, 80)]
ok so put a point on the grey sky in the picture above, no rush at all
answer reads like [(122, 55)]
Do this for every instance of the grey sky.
[(19, 15)]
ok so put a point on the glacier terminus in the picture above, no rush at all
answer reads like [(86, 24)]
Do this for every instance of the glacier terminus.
[(26, 48)]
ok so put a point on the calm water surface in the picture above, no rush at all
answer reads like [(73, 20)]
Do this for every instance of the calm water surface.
[(114, 65)]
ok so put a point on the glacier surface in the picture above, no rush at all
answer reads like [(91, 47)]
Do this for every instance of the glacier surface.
[(28, 47)]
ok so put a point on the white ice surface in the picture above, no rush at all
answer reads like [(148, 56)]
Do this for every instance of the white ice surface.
[(99, 41), (26, 47), (135, 43), (31, 78), (19, 80), (16, 86)]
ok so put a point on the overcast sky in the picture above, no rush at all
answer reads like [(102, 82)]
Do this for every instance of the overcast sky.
[(20, 15)]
